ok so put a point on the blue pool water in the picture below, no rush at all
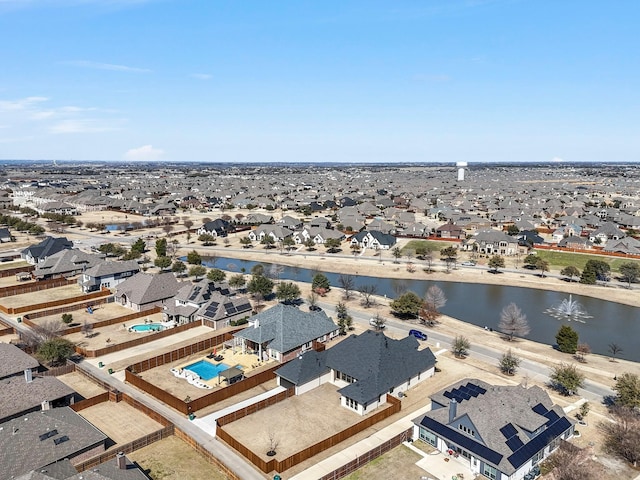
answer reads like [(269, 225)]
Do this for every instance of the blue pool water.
[(206, 370), (146, 327)]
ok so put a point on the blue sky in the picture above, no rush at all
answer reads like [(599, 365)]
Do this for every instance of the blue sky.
[(341, 81)]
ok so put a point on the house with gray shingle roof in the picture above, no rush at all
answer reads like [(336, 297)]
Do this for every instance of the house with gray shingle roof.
[(373, 239), (107, 275), (365, 368), (66, 263), (13, 361), (491, 242), (40, 252), (284, 331), (500, 432), (144, 291), (38, 439)]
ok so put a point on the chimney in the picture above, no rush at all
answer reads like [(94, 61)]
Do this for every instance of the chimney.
[(453, 410), (121, 461), (28, 375), (46, 405)]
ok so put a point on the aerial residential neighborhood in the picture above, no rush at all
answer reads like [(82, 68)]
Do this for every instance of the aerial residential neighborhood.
[(236, 321)]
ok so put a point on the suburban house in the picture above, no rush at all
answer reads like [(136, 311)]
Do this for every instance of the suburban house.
[(5, 235), (107, 275), (207, 300), (37, 441), (500, 432), (450, 230), (373, 239), (40, 252), (216, 228), (22, 390), (277, 232), (365, 368), (144, 291), (626, 245), (492, 242), (607, 231), (284, 331), (66, 263), (319, 235)]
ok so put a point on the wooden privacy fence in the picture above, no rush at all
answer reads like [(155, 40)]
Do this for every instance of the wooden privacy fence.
[(55, 303), (144, 338), (90, 402), (111, 321), (365, 458), (255, 407), (230, 474), (285, 464), (57, 371), (12, 271), (68, 308), (34, 286), (126, 448)]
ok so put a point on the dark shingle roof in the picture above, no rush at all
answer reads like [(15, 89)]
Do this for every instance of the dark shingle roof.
[(17, 396), (144, 288), (13, 360)]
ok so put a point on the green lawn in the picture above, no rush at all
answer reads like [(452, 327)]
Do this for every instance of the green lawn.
[(559, 260), (10, 265), (429, 244)]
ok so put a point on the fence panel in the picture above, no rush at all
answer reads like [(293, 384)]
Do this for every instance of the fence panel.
[(90, 402), (56, 303), (34, 286), (12, 271)]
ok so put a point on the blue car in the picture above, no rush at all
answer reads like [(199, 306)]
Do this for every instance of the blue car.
[(418, 334)]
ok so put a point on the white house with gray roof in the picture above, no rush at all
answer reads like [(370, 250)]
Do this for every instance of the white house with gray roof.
[(365, 368), (284, 331), (107, 275), (497, 431)]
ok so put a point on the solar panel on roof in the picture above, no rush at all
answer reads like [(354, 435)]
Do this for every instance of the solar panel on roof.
[(552, 416), (508, 431), (478, 388), (448, 394), (60, 440), (523, 454), (540, 409), (49, 434), (514, 443)]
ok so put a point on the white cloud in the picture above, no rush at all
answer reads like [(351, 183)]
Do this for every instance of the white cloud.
[(86, 125), (201, 76), (106, 66), (143, 154), (557, 160), (21, 104), (43, 115)]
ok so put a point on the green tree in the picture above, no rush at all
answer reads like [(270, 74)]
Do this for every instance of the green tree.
[(194, 258), (450, 256), (260, 285), (460, 346), (320, 281), (566, 379), (178, 267), (237, 281), (55, 351), (332, 245), (246, 242), (288, 243), (629, 272), (595, 270), (496, 262), (67, 318), (407, 305), (216, 275), (163, 262), (268, 242), (570, 271), (257, 269), (197, 271), (287, 292), (627, 390), (509, 363), (161, 247), (397, 253), (378, 322), (310, 244), (111, 250), (513, 230), (206, 239), (567, 339), (530, 260), (543, 266), (139, 246)]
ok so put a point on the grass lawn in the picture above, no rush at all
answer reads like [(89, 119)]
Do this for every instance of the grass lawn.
[(564, 259), (9, 265), (432, 245), (396, 463)]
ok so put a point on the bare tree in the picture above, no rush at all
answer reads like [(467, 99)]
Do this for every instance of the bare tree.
[(42, 333), (513, 322), (87, 329), (428, 259), (399, 287), (622, 437), (435, 297), (582, 351), (167, 228), (367, 292), (570, 462), (347, 283), (188, 224), (378, 322), (273, 442)]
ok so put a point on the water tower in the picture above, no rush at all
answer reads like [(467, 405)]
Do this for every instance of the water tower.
[(461, 166)]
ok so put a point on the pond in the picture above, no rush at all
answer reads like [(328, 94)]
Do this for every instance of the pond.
[(481, 305)]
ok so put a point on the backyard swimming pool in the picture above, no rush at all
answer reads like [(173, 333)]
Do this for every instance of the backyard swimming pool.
[(207, 370), (146, 327)]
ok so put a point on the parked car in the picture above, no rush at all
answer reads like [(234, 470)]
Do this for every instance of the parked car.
[(469, 263), (315, 308), (374, 323), (418, 334)]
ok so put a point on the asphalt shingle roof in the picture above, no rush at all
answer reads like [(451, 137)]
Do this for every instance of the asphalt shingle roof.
[(13, 360)]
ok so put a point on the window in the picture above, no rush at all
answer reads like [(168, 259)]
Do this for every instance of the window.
[(345, 377), (466, 430), (428, 437), (490, 472), (537, 457), (351, 403)]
